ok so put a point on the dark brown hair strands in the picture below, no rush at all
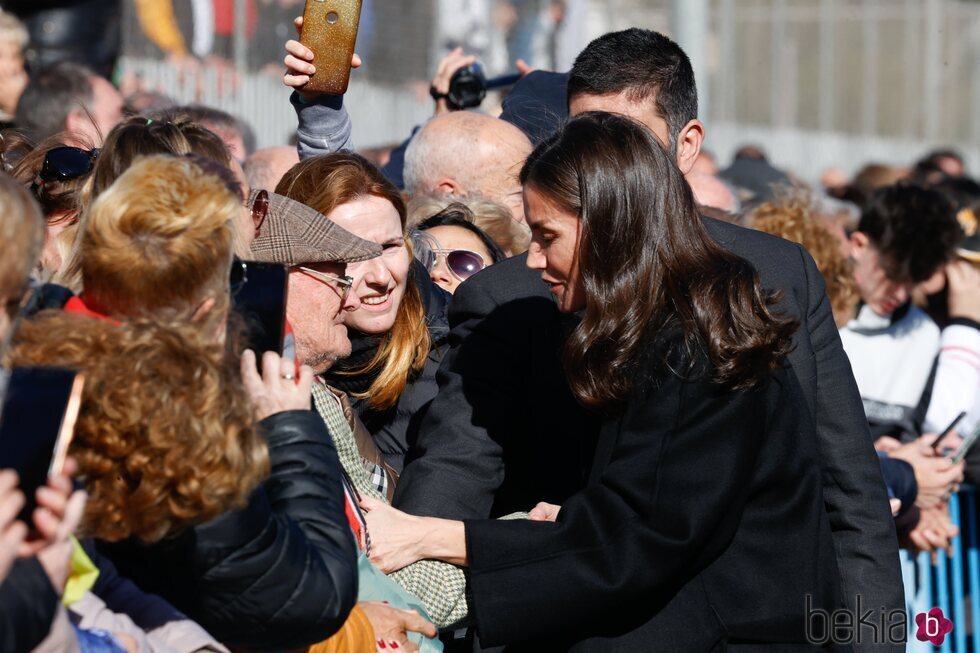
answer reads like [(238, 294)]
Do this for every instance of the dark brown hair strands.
[(648, 266)]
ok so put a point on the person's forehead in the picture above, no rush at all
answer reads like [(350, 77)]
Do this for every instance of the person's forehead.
[(623, 103), (326, 266)]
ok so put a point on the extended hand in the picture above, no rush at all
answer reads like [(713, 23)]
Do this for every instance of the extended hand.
[(277, 389), (395, 535), (392, 626), (544, 512), (56, 518), (936, 477), (12, 532), (299, 64)]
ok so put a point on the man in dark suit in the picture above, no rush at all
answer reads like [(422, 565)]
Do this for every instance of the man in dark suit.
[(504, 431)]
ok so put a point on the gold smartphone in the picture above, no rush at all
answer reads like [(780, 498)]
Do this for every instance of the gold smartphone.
[(330, 31)]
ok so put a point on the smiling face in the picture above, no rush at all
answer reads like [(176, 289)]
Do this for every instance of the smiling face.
[(379, 283), (555, 235), (315, 310)]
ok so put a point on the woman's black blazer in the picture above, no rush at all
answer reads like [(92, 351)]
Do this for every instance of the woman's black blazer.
[(702, 527)]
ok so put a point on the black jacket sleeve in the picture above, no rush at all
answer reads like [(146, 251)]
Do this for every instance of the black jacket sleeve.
[(456, 466), (668, 502), (278, 574), (28, 604), (854, 491), (305, 484), (900, 479)]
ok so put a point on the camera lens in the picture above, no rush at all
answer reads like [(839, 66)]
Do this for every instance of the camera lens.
[(467, 88)]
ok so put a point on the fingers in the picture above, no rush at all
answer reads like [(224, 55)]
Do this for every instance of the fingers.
[(305, 380), (12, 537), (298, 24), (298, 66), (70, 468), (369, 503), (74, 513), (270, 368), (413, 622), (298, 52), (448, 67), (523, 67), (538, 513), (355, 61), (287, 369), (896, 506), (8, 484), (250, 373), (11, 503)]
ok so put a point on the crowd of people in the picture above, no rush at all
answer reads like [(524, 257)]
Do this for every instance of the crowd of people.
[(550, 380)]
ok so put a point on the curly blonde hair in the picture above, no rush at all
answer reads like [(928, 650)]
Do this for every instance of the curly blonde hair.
[(165, 437), (793, 217)]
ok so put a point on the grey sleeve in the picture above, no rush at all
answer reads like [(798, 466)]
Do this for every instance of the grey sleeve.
[(324, 126)]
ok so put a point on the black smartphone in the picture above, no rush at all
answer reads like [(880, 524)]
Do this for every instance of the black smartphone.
[(966, 445), (36, 426), (259, 294), (947, 431)]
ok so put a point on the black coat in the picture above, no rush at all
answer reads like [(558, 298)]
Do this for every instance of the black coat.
[(278, 574), (504, 431), (702, 524), (28, 604)]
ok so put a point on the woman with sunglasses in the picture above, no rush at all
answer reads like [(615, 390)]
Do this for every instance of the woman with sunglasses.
[(55, 174), (702, 525), (166, 134), (452, 248)]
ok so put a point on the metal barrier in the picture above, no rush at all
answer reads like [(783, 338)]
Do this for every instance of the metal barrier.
[(952, 584)]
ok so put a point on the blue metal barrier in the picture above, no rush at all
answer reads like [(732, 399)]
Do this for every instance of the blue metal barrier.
[(942, 584)]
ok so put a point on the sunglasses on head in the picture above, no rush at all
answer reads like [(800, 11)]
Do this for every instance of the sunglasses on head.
[(259, 209), (63, 164)]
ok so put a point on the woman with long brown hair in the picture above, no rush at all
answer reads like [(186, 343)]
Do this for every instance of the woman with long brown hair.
[(702, 525), (397, 330)]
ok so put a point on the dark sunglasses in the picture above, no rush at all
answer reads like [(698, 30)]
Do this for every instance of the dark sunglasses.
[(63, 164), (260, 209), (461, 262)]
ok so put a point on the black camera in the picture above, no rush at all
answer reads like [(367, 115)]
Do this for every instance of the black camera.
[(468, 86)]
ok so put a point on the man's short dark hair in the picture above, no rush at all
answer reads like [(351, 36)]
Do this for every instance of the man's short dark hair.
[(914, 229), (641, 63), (51, 94)]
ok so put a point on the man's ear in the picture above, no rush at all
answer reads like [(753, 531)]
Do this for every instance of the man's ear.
[(203, 309), (76, 121), (689, 145), (858, 243), (447, 186)]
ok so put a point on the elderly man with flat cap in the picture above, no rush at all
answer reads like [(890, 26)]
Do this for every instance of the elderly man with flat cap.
[(317, 251)]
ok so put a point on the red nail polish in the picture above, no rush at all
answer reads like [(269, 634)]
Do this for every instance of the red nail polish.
[(381, 644), (394, 644)]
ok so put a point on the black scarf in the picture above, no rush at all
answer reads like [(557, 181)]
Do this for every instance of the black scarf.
[(363, 348)]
